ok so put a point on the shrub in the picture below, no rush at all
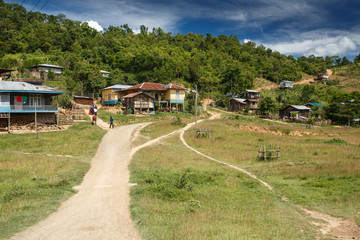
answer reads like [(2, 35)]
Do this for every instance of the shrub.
[(336, 141), (65, 101)]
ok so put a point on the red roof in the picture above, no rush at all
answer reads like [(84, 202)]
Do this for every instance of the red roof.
[(155, 86), (173, 86), (147, 86)]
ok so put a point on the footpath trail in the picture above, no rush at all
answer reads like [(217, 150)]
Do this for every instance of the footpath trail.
[(339, 228), (100, 210)]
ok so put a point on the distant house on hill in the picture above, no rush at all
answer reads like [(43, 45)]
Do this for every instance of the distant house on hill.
[(237, 104), (296, 111), (104, 73), (286, 84), (321, 77), (42, 70), (250, 101), (251, 94)]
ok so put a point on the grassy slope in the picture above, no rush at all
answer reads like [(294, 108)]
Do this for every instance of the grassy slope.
[(348, 76), (311, 172), (33, 185), (183, 196)]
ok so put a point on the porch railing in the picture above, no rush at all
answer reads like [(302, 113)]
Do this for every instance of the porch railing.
[(22, 108)]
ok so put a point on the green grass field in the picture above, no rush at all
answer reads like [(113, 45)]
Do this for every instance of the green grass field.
[(184, 196), (34, 180), (181, 195)]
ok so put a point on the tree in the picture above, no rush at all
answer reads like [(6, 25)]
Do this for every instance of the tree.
[(344, 107), (267, 106)]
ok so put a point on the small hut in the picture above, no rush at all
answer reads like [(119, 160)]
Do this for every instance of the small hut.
[(321, 77), (286, 85), (139, 102), (237, 104), (296, 111)]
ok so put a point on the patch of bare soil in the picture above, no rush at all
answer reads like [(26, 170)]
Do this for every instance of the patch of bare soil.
[(276, 131), (334, 227)]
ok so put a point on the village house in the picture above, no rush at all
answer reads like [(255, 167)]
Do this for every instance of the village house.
[(250, 101), (321, 76), (104, 73), (5, 73), (166, 97), (286, 85), (295, 111), (113, 94), (19, 101), (42, 70), (139, 102)]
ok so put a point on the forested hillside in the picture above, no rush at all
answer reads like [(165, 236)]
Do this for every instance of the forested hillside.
[(218, 63)]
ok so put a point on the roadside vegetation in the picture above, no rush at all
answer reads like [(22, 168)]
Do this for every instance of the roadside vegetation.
[(180, 194), (36, 175)]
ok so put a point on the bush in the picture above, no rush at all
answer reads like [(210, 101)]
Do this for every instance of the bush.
[(336, 141), (65, 101)]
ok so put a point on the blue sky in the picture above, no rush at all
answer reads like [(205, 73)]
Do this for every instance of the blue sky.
[(296, 27)]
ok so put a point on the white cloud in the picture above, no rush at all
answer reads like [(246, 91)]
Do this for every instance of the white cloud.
[(247, 40), (119, 12), (319, 43), (95, 25)]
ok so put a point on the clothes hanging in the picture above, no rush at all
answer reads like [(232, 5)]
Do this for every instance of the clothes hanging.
[(24, 99), (19, 98)]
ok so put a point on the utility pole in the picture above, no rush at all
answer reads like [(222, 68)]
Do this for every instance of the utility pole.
[(19, 67), (36, 126), (195, 106)]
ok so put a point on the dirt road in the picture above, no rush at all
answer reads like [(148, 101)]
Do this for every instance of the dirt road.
[(100, 210)]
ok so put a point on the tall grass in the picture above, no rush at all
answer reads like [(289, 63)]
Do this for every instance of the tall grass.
[(315, 171), (181, 195), (36, 175)]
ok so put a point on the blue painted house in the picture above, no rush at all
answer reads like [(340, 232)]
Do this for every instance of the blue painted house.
[(20, 100)]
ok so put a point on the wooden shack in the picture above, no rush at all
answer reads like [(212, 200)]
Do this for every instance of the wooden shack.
[(321, 77), (84, 100), (286, 85), (139, 102), (295, 111), (237, 104)]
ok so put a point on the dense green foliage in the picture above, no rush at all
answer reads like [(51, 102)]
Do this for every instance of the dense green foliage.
[(220, 64)]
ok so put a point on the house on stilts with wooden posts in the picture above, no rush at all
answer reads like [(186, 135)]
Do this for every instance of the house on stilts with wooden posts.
[(23, 103), (169, 97)]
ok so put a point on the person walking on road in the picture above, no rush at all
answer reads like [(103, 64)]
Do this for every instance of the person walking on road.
[(111, 122)]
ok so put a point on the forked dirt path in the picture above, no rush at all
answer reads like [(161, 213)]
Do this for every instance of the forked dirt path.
[(339, 228), (100, 210)]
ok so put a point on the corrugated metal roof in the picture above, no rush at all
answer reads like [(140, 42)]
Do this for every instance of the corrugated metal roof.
[(9, 86), (118, 87), (300, 107), (135, 94), (240, 100), (173, 86), (48, 66), (316, 104)]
